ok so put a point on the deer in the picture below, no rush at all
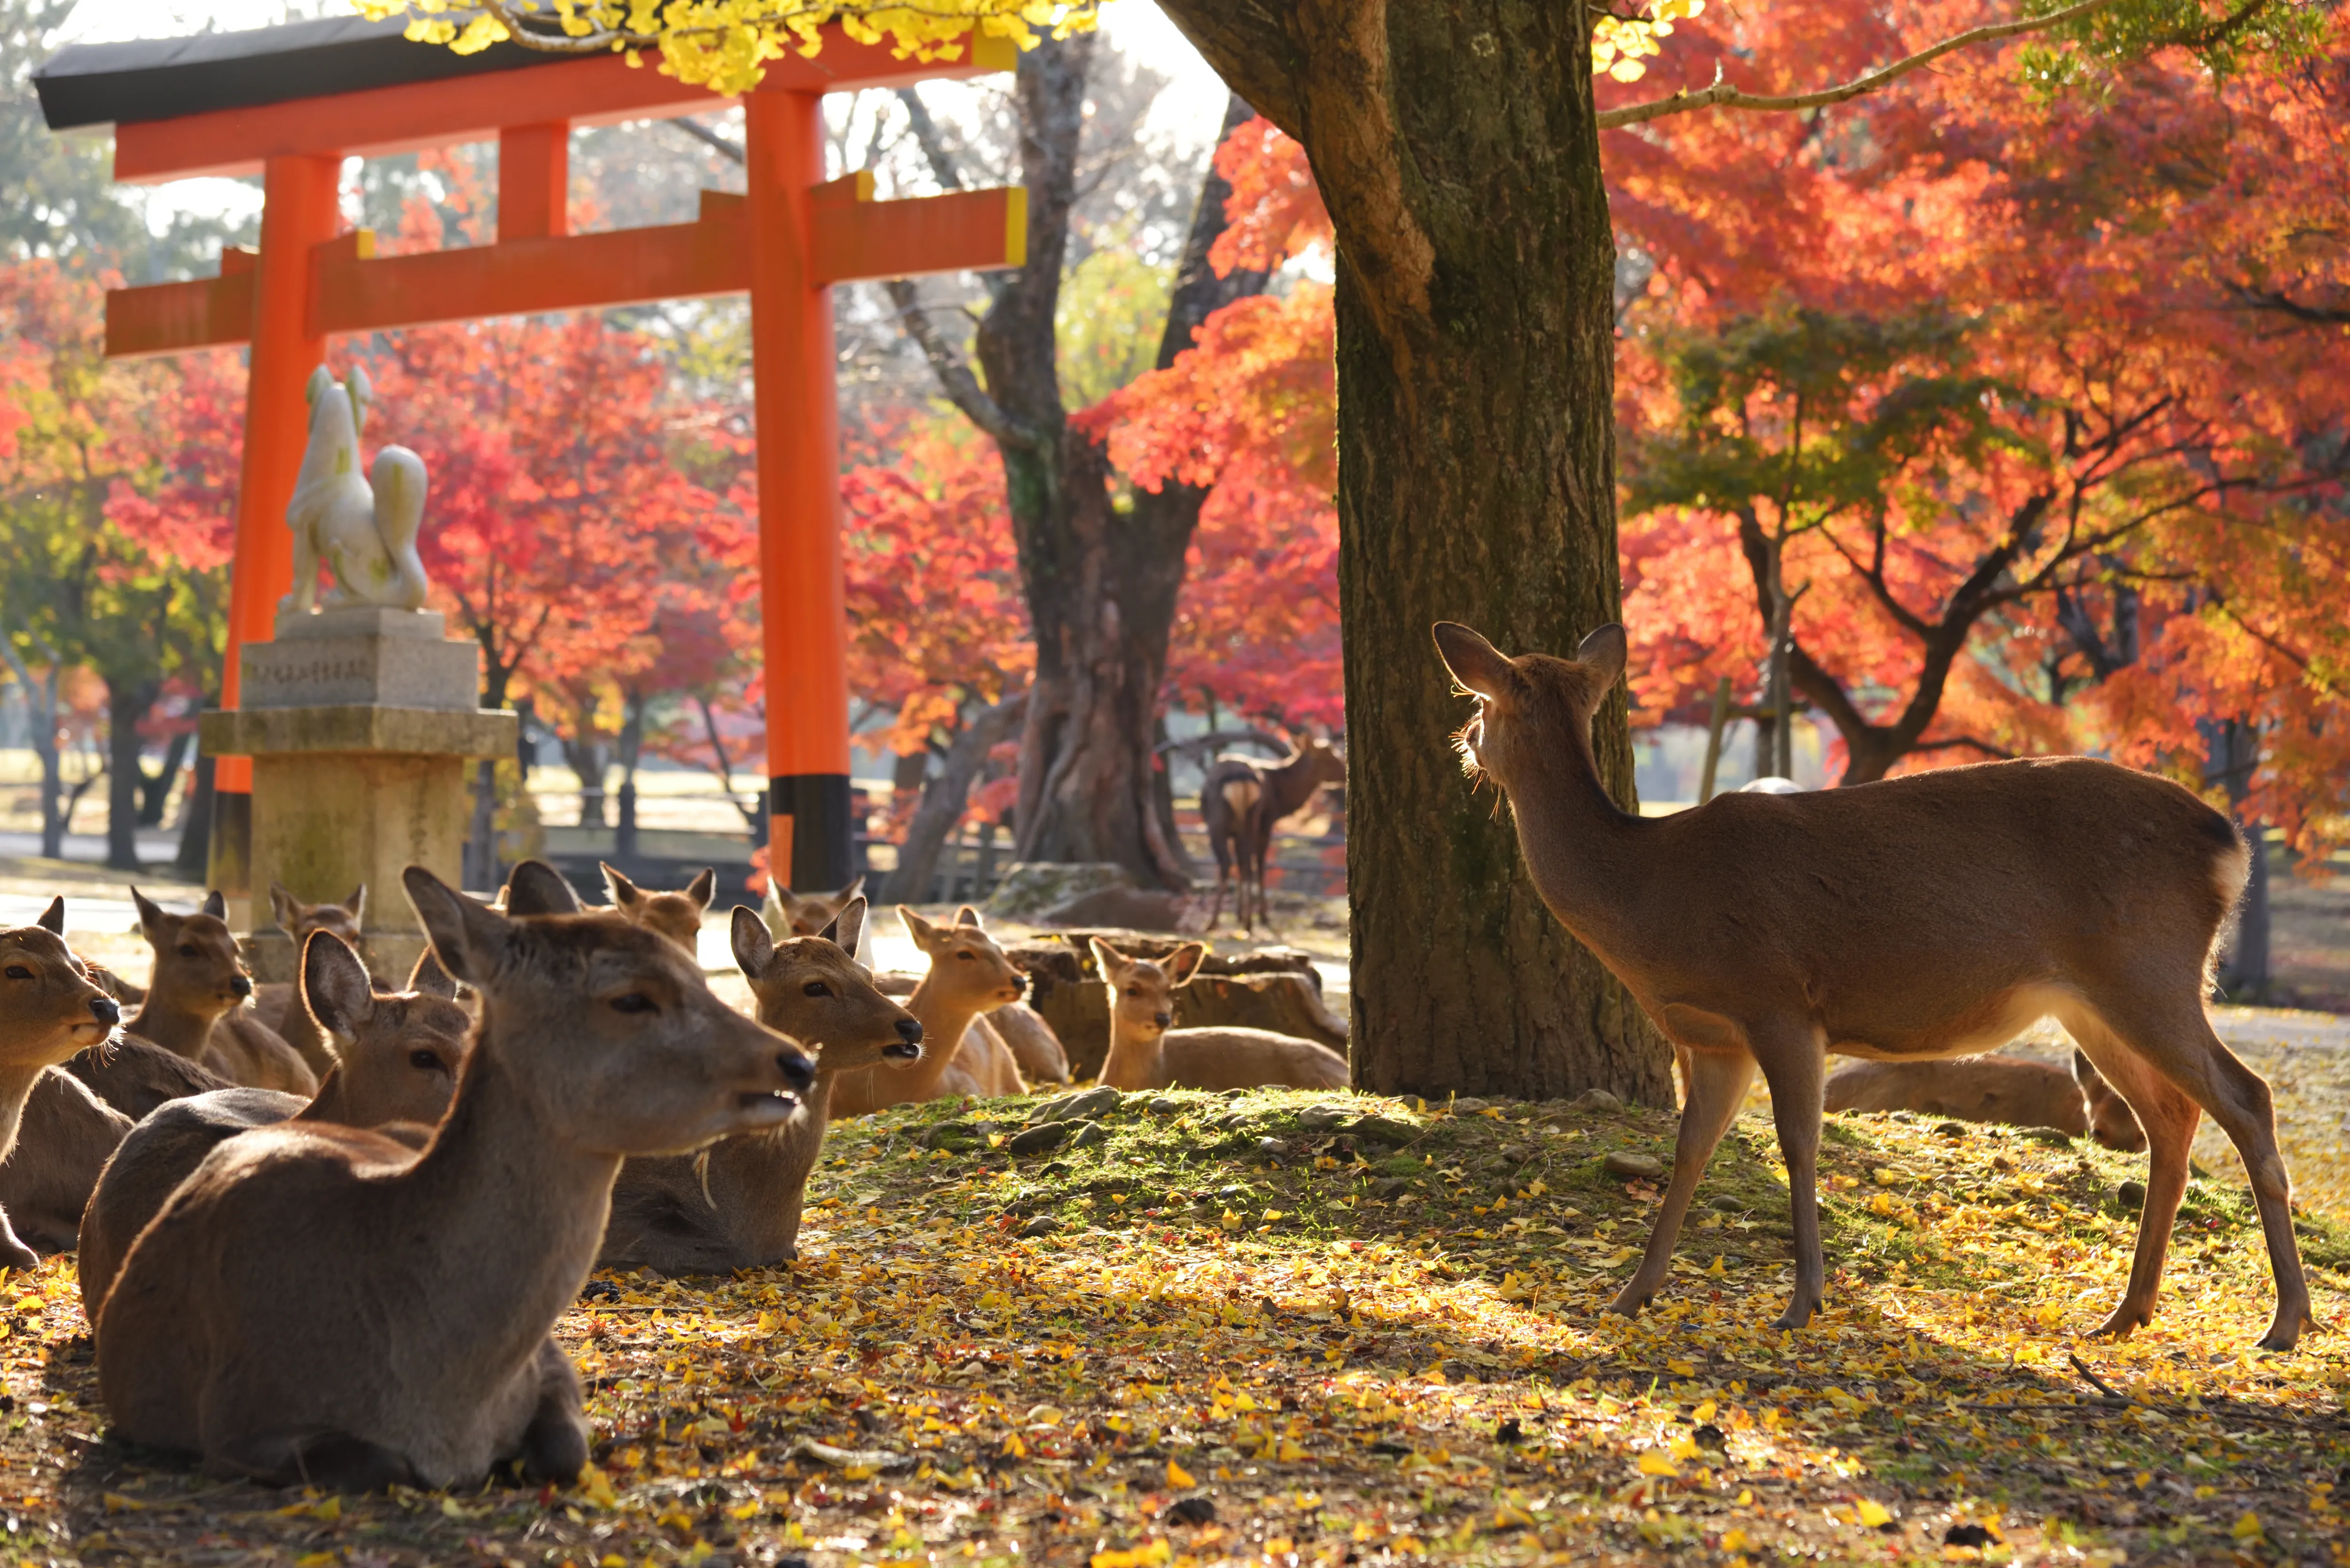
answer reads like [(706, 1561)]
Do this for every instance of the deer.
[(249, 1322), (968, 976), (1932, 915), (1241, 800), (790, 914), (49, 1008), (193, 998), (278, 1004), (738, 1205), (677, 916), (2007, 1089), (1145, 1054), (396, 1058)]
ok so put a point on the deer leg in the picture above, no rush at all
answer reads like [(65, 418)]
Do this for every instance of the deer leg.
[(554, 1444), (1717, 1083), (331, 1461), (1794, 1058), (2168, 1116)]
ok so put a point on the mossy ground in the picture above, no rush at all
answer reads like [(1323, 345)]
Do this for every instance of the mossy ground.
[(1225, 1337)]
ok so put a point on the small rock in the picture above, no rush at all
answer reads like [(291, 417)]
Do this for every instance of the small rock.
[(1165, 1106), (1042, 1225), (1468, 1105), (1727, 1203), (1626, 1163), (1389, 1186), (1321, 1118), (1953, 1129), (1269, 1149), (1088, 1134), (1193, 1509), (2130, 1195), (1973, 1535), (1595, 1102), (949, 1135), (1709, 1437), (1383, 1129), (1038, 1139), (1097, 1101), (2050, 1135)]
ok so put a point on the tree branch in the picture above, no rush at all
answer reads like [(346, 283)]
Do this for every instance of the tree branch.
[(927, 136), (1722, 96), (709, 138), (956, 378)]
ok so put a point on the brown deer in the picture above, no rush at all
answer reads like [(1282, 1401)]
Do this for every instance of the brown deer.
[(62, 1142), (1240, 802), (396, 1060), (1145, 1054), (968, 975), (790, 914), (677, 916), (129, 1076), (737, 1205), (278, 1004), (1932, 915), (2007, 1089), (324, 1304), (194, 999), (49, 1008)]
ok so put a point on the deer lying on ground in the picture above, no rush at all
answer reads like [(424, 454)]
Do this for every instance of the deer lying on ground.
[(1992, 1089), (677, 916), (396, 1057), (64, 1140), (1928, 916), (969, 975), (1240, 802), (279, 1004), (1145, 1054), (49, 1008), (1037, 1050), (194, 1002), (737, 1205), (249, 1321)]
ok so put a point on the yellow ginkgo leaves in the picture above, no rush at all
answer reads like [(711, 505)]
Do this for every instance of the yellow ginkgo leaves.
[(1619, 44)]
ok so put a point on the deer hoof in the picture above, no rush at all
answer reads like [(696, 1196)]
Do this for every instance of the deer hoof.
[(1797, 1316), (2285, 1332), (1630, 1301), (2126, 1320)]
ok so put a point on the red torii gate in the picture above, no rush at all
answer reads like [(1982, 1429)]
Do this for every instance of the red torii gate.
[(292, 102)]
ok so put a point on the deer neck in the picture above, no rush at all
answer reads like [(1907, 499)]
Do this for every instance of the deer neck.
[(16, 1087), (1287, 786), (170, 1020), (1134, 1058), (332, 1102), (1582, 852), (945, 1019), (515, 1215)]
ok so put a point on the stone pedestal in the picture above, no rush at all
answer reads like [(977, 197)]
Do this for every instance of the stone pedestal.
[(360, 723)]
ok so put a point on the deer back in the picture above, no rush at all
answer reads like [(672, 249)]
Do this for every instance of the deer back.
[(62, 1143)]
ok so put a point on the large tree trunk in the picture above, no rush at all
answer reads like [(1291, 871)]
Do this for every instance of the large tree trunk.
[(945, 797), (127, 703), (1456, 148)]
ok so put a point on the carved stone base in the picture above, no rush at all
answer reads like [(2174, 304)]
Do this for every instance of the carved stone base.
[(364, 655)]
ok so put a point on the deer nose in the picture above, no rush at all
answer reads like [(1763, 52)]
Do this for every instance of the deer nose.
[(1162, 1019), (241, 986), (798, 1071), (909, 1029), (104, 1010)]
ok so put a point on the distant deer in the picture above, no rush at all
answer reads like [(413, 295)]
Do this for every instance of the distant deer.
[(677, 916), (1992, 1089), (194, 997), (737, 1205), (276, 1003), (396, 1057), (1932, 915), (1240, 802), (252, 1321), (1145, 1054), (790, 914), (49, 1008), (969, 975)]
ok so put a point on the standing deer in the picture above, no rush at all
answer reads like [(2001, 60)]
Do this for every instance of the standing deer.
[(194, 1001), (737, 1205), (1933, 915), (49, 1008), (1145, 1054), (969, 975), (1241, 800), (324, 1304), (677, 916), (396, 1058)]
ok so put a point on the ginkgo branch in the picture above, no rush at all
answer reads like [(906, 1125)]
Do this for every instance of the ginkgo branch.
[(1720, 95)]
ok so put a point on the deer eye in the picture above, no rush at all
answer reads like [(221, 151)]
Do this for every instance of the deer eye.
[(188, 950), (816, 988), (967, 955), (19, 971), (427, 1061), (1134, 990), (632, 1001)]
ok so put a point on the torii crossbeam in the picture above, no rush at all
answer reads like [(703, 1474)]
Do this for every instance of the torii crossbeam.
[(292, 102)]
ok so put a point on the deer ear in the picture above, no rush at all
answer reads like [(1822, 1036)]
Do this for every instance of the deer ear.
[(151, 913), (430, 978), (534, 888), (335, 984), (921, 930), (754, 949), (1604, 650), (967, 916), (282, 907), (623, 891), (470, 939), (357, 905), (704, 888), (851, 891), (215, 905), (849, 926), (1185, 962), (1474, 662), (1108, 958), (53, 919)]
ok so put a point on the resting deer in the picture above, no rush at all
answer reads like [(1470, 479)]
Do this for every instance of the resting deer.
[(1145, 1054), (252, 1321), (129, 1077), (677, 916), (49, 1008), (1992, 1089), (1933, 915), (194, 1001), (969, 975), (790, 914), (396, 1057), (278, 1004), (737, 1205), (1240, 802)]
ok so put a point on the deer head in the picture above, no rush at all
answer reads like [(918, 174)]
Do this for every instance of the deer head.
[(197, 969), (805, 914), (812, 990), (298, 919), (1531, 707), (966, 966), (677, 916), (1142, 990), (395, 1053)]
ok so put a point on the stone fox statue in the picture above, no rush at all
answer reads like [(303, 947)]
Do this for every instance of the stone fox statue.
[(364, 534)]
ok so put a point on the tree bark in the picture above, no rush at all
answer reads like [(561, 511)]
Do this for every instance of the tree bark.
[(41, 719), (127, 703), (1456, 151), (194, 857), (944, 798)]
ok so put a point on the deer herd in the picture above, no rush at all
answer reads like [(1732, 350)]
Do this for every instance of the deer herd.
[(255, 1179)]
